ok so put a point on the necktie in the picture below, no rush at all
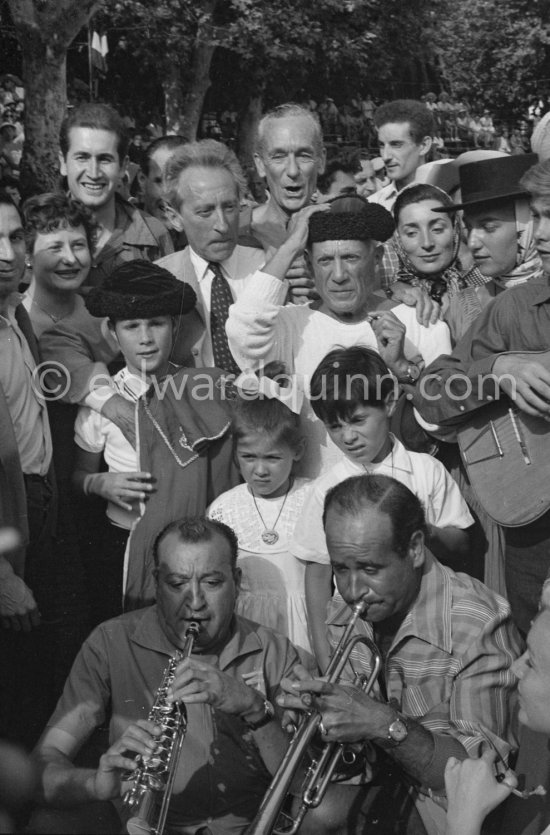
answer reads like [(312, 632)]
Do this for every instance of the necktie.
[(220, 300)]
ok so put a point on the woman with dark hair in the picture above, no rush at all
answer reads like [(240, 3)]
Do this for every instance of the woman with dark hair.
[(59, 232), (428, 244)]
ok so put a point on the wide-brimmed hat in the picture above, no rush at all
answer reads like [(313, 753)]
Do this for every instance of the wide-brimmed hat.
[(493, 179)]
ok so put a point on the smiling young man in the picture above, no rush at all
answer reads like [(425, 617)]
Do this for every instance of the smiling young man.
[(446, 642), (405, 130), (93, 152), (234, 739)]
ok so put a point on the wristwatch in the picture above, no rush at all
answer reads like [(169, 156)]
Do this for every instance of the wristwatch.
[(398, 731), (269, 715), (411, 375)]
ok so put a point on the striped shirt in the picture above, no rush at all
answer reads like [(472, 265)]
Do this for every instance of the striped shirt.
[(449, 663)]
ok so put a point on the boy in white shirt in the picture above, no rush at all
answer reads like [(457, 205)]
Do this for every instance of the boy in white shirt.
[(142, 301), (354, 394)]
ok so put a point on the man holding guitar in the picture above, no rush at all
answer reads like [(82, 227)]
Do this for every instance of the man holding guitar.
[(505, 356)]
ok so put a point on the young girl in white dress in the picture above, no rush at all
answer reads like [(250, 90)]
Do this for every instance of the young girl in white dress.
[(263, 511)]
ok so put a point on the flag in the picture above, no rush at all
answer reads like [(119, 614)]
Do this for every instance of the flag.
[(100, 49)]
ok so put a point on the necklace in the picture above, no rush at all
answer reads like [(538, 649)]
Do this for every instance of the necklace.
[(270, 535), (55, 317)]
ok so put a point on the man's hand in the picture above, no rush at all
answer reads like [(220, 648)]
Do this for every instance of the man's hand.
[(390, 335), (121, 489), (428, 311), (122, 413), (18, 609), (348, 714), (473, 791), (301, 284), (525, 378), (198, 682), (139, 739)]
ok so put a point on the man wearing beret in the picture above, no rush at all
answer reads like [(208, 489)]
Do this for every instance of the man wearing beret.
[(341, 242)]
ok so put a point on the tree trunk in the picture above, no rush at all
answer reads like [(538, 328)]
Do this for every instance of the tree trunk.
[(248, 127), (44, 32), (44, 80), (172, 86), (198, 88)]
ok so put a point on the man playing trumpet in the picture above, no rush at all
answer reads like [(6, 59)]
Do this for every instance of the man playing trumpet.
[(228, 685), (447, 644)]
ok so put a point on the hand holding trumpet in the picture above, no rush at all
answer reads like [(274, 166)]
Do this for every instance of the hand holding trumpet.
[(348, 714)]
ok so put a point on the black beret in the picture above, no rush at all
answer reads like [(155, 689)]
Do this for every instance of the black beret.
[(368, 221), (140, 290)]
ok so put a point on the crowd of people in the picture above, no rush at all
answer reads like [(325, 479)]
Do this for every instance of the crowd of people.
[(237, 430)]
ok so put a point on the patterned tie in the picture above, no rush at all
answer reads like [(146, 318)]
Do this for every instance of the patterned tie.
[(220, 300)]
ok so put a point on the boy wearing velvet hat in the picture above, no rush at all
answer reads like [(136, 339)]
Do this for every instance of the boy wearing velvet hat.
[(143, 303)]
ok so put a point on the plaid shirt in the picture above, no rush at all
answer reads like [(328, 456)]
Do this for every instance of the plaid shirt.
[(449, 664)]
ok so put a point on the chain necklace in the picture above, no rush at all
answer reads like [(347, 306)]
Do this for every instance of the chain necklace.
[(55, 317), (270, 535)]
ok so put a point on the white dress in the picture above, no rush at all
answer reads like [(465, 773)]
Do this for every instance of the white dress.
[(273, 587)]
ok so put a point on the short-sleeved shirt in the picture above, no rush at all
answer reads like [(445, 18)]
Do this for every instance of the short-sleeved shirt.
[(221, 778), (422, 474), (449, 663), (95, 433)]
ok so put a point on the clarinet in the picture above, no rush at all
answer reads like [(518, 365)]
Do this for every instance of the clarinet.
[(155, 774)]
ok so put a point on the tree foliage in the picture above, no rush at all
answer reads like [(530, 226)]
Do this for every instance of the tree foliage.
[(495, 54)]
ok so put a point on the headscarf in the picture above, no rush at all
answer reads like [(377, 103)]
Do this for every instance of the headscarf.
[(454, 278), (528, 264)]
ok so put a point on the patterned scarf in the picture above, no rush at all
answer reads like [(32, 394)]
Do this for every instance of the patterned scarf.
[(528, 264)]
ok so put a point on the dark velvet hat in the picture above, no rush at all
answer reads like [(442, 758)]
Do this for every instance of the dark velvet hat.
[(140, 290), (351, 218)]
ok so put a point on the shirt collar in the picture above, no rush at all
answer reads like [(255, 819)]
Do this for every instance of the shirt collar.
[(228, 267), (428, 619), (129, 221)]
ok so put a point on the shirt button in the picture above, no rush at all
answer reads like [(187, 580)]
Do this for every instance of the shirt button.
[(490, 397), (461, 408)]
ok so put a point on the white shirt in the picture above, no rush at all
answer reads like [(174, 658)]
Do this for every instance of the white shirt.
[(422, 474), (261, 329), (95, 433), (20, 383), (239, 269), (385, 196)]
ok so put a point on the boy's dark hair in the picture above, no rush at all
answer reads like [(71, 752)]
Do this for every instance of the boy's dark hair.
[(198, 529), (98, 117), (385, 494), (7, 200), (52, 210), (347, 378), (420, 119)]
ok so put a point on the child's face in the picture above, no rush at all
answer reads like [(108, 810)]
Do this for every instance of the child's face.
[(145, 343), (364, 437), (265, 464)]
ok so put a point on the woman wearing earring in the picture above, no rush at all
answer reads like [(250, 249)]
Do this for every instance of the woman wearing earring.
[(59, 231)]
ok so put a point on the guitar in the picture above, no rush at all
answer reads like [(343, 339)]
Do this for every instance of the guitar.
[(507, 456)]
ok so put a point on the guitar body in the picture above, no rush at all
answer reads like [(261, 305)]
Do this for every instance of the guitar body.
[(507, 455)]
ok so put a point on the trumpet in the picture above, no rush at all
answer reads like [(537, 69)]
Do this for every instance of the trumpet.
[(154, 777), (319, 771)]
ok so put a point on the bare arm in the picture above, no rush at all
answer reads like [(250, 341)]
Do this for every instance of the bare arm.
[(64, 784), (318, 593)]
